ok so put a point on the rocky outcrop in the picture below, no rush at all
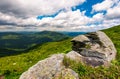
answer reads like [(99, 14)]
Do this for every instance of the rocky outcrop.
[(92, 61), (50, 68), (95, 48)]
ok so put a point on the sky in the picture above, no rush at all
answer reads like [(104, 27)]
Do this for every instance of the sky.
[(58, 15)]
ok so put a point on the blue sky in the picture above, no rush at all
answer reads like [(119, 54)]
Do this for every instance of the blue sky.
[(86, 6), (58, 15)]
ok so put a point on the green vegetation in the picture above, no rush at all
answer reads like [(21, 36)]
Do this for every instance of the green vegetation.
[(114, 34), (15, 43), (87, 46), (10, 37), (87, 72), (13, 66)]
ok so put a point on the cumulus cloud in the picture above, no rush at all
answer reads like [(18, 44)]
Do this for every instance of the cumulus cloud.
[(36, 7), (105, 5), (10, 19), (20, 15), (112, 8), (64, 21), (113, 13), (71, 21)]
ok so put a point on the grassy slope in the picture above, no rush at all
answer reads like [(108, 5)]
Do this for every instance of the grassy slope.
[(15, 43), (114, 34), (112, 72), (13, 66), (21, 41)]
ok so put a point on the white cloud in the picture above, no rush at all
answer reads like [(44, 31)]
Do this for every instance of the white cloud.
[(64, 21), (17, 20), (71, 21), (6, 17), (113, 13), (98, 17), (105, 5), (36, 7), (19, 15), (22, 13)]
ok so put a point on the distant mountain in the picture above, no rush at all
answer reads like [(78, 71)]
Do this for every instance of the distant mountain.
[(73, 34), (20, 41)]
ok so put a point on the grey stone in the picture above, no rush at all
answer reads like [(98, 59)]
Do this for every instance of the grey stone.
[(99, 48), (81, 38), (50, 68), (92, 61)]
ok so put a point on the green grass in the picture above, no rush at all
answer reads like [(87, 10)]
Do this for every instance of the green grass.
[(114, 34), (87, 72), (13, 66), (19, 42)]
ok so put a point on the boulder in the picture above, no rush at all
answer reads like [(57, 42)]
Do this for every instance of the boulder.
[(95, 48), (92, 61), (50, 68)]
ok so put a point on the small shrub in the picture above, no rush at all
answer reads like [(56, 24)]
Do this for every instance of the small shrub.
[(76, 66), (87, 46), (7, 72)]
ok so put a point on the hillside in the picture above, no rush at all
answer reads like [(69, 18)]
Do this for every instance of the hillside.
[(114, 34), (13, 66), (13, 43)]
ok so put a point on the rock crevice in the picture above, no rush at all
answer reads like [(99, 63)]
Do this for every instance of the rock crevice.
[(95, 47)]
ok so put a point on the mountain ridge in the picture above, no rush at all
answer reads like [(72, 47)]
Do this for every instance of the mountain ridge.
[(18, 42)]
